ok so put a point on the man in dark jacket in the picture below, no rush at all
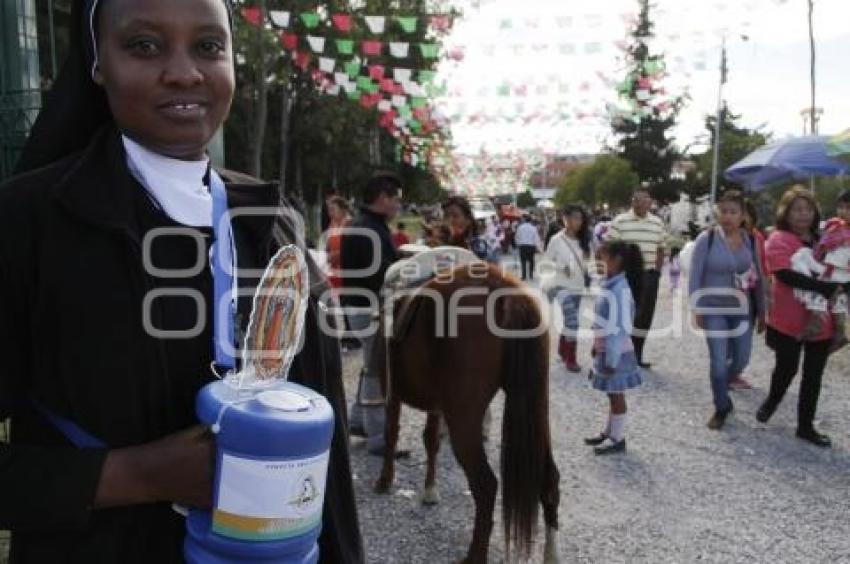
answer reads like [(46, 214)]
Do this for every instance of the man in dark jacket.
[(367, 252)]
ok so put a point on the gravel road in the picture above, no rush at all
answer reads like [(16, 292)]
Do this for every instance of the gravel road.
[(682, 493)]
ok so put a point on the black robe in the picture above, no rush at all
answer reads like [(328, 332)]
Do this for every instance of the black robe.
[(71, 337)]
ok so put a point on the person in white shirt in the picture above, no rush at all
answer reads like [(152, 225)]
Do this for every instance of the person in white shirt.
[(566, 276), (528, 242)]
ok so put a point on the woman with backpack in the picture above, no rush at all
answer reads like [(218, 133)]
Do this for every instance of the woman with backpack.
[(725, 277)]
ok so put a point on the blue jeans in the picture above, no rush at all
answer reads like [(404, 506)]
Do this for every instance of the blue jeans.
[(368, 410), (729, 354), (570, 307)]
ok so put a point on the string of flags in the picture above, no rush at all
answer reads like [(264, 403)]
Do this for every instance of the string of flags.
[(347, 23)]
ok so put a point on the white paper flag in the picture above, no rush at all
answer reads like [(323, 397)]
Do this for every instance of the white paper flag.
[(340, 78), (376, 23), (413, 89), (384, 106), (326, 64), (400, 122), (317, 44), (279, 18), (349, 87), (333, 90), (399, 50), (399, 101), (402, 75)]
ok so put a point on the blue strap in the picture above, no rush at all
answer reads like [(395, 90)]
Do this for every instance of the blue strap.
[(223, 265), (78, 436)]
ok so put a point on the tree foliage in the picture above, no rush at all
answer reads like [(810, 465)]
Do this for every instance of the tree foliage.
[(283, 127), (736, 142), (608, 179), (645, 137)]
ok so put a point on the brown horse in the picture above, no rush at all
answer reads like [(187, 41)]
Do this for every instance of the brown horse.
[(445, 359)]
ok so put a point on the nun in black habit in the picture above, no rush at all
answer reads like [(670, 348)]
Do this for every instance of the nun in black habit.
[(119, 150)]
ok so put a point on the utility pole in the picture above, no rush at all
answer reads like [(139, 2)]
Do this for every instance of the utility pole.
[(814, 111)]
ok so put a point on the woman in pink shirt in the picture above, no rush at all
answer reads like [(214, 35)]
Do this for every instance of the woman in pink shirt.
[(797, 221)]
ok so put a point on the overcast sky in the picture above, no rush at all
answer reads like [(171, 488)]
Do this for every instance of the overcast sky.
[(565, 51)]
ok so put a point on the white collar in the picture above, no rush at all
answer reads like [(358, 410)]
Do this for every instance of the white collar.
[(176, 186)]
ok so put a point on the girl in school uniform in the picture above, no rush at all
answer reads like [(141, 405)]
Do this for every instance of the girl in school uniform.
[(615, 367), (106, 293)]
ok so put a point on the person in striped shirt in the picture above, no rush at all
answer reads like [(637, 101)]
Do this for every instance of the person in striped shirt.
[(648, 232)]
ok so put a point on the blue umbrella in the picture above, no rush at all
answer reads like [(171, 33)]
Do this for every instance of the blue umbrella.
[(798, 158)]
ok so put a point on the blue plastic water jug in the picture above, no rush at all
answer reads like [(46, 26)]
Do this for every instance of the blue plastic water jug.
[(272, 451)]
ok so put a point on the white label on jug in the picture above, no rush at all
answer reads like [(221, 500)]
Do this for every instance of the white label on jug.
[(269, 499)]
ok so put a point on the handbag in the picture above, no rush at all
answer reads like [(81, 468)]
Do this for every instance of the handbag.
[(587, 279)]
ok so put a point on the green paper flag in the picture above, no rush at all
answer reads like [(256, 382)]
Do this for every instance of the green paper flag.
[(310, 19), (418, 102), (404, 111), (364, 83), (653, 66), (408, 24), (352, 69), (429, 50), (373, 87), (427, 76), (414, 125), (344, 46)]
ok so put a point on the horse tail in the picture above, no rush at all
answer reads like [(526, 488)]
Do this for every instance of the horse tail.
[(525, 424)]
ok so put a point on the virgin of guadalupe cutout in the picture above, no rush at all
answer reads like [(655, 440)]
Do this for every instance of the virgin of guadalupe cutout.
[(277, 319)]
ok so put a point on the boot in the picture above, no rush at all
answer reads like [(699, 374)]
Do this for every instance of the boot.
[(562, 349), (570, 361)]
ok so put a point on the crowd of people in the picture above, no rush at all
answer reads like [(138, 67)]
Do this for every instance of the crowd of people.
[(741, 283)]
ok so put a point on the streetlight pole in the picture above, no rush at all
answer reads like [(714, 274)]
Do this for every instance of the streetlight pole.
[(716, 160)]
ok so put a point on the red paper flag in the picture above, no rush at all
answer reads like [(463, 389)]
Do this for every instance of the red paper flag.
[(387, 85), (372, 48), (253, 16), (398, 89), (342, 22), (302, 59), (376, 72), (440, 23), (290, 41)]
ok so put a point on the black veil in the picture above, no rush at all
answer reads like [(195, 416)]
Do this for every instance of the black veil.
[(75, 108)]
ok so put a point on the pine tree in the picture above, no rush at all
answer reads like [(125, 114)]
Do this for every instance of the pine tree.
[(645, 115)]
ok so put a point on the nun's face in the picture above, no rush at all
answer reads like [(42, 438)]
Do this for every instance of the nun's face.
[(167, 69)]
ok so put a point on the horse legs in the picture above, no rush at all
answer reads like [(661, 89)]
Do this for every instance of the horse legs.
[(390, 441), (550, 497), (431, 438), (468, 448)]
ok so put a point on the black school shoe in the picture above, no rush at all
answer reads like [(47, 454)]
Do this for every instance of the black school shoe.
[(611, 448), (812, 436), (596, 441)]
